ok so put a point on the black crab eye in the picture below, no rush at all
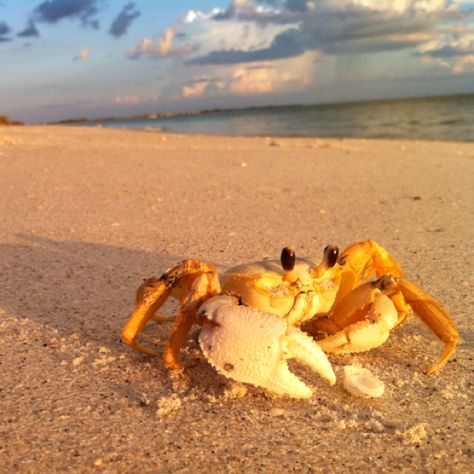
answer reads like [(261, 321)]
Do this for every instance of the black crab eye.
[(288, 259), (342, 261), (330, 255)]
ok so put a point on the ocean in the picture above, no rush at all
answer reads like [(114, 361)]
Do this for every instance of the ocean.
[(448, 118)]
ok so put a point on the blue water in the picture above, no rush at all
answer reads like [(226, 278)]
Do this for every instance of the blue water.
[(434, 118)]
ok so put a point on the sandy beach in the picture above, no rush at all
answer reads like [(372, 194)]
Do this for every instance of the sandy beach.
[(87, 213)]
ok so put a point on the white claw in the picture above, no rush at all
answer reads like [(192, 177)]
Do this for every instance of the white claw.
[(303, 348), (251, 346)]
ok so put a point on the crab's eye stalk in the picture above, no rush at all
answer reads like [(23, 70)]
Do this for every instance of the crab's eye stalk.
[(331, 252), (288, 258)]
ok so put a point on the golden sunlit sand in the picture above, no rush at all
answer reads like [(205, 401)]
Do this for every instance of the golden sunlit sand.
[(88, 212)]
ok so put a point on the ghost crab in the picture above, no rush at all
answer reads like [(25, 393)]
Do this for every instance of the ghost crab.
[(261, 314)]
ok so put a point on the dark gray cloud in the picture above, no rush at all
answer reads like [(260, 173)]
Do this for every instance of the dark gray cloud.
[(267, 11), (362, 30), (123, 20), (53, 11), (30, 31), (4, 31), (296, 5), (331, 30), (285, 45), (448, 51)]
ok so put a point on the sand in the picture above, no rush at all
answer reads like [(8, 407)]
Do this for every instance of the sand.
[(87, 213)]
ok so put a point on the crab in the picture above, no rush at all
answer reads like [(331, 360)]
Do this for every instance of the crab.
[(259, 315)]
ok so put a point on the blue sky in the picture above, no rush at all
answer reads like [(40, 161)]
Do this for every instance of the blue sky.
[(95, 58)]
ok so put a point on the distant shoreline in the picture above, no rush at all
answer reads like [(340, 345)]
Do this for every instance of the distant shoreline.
[(446, 118), (6, 121), (196, 113)]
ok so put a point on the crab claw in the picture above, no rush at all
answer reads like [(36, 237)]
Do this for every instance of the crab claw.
[(251, 346)]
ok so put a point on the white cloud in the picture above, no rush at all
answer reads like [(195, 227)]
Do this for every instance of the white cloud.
[(400, 6), (452, 50), (161, 47), (254, 79), (257, 81), (270, 47), (292, 27), (203, 86)]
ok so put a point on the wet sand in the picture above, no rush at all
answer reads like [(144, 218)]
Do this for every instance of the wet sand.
[(87, 213)]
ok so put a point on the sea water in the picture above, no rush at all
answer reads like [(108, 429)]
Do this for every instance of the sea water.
[(433, 118)]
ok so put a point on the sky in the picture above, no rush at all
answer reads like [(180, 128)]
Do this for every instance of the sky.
[(96, 58)]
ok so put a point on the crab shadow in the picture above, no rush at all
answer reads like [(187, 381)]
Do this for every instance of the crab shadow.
[(88, 290), (75, 287)]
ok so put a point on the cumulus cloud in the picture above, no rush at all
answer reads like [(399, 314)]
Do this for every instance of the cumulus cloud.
[(202, 86), (29, 31), (454, 51), (123, 20), (53, 11), (252, 80), (256, 81), (162, 47), (333, 27), (4, 31), (194, 15)]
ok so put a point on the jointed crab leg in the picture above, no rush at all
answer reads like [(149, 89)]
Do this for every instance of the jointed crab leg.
[(366, 334), (362, 261), (203, 287), (360, 321), (145, 309), (153, 293), (364, 318), (144, 289), (434, 316)]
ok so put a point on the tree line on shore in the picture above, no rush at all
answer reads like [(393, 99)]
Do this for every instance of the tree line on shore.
[(4, 120)]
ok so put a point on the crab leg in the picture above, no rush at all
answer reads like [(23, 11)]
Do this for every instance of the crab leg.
[(351, 309), (153, 293), (143, 290), (434, 316), (364, 320), (361, 261), (379, 318), (203, 287), (146, 308), (364, 259)]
